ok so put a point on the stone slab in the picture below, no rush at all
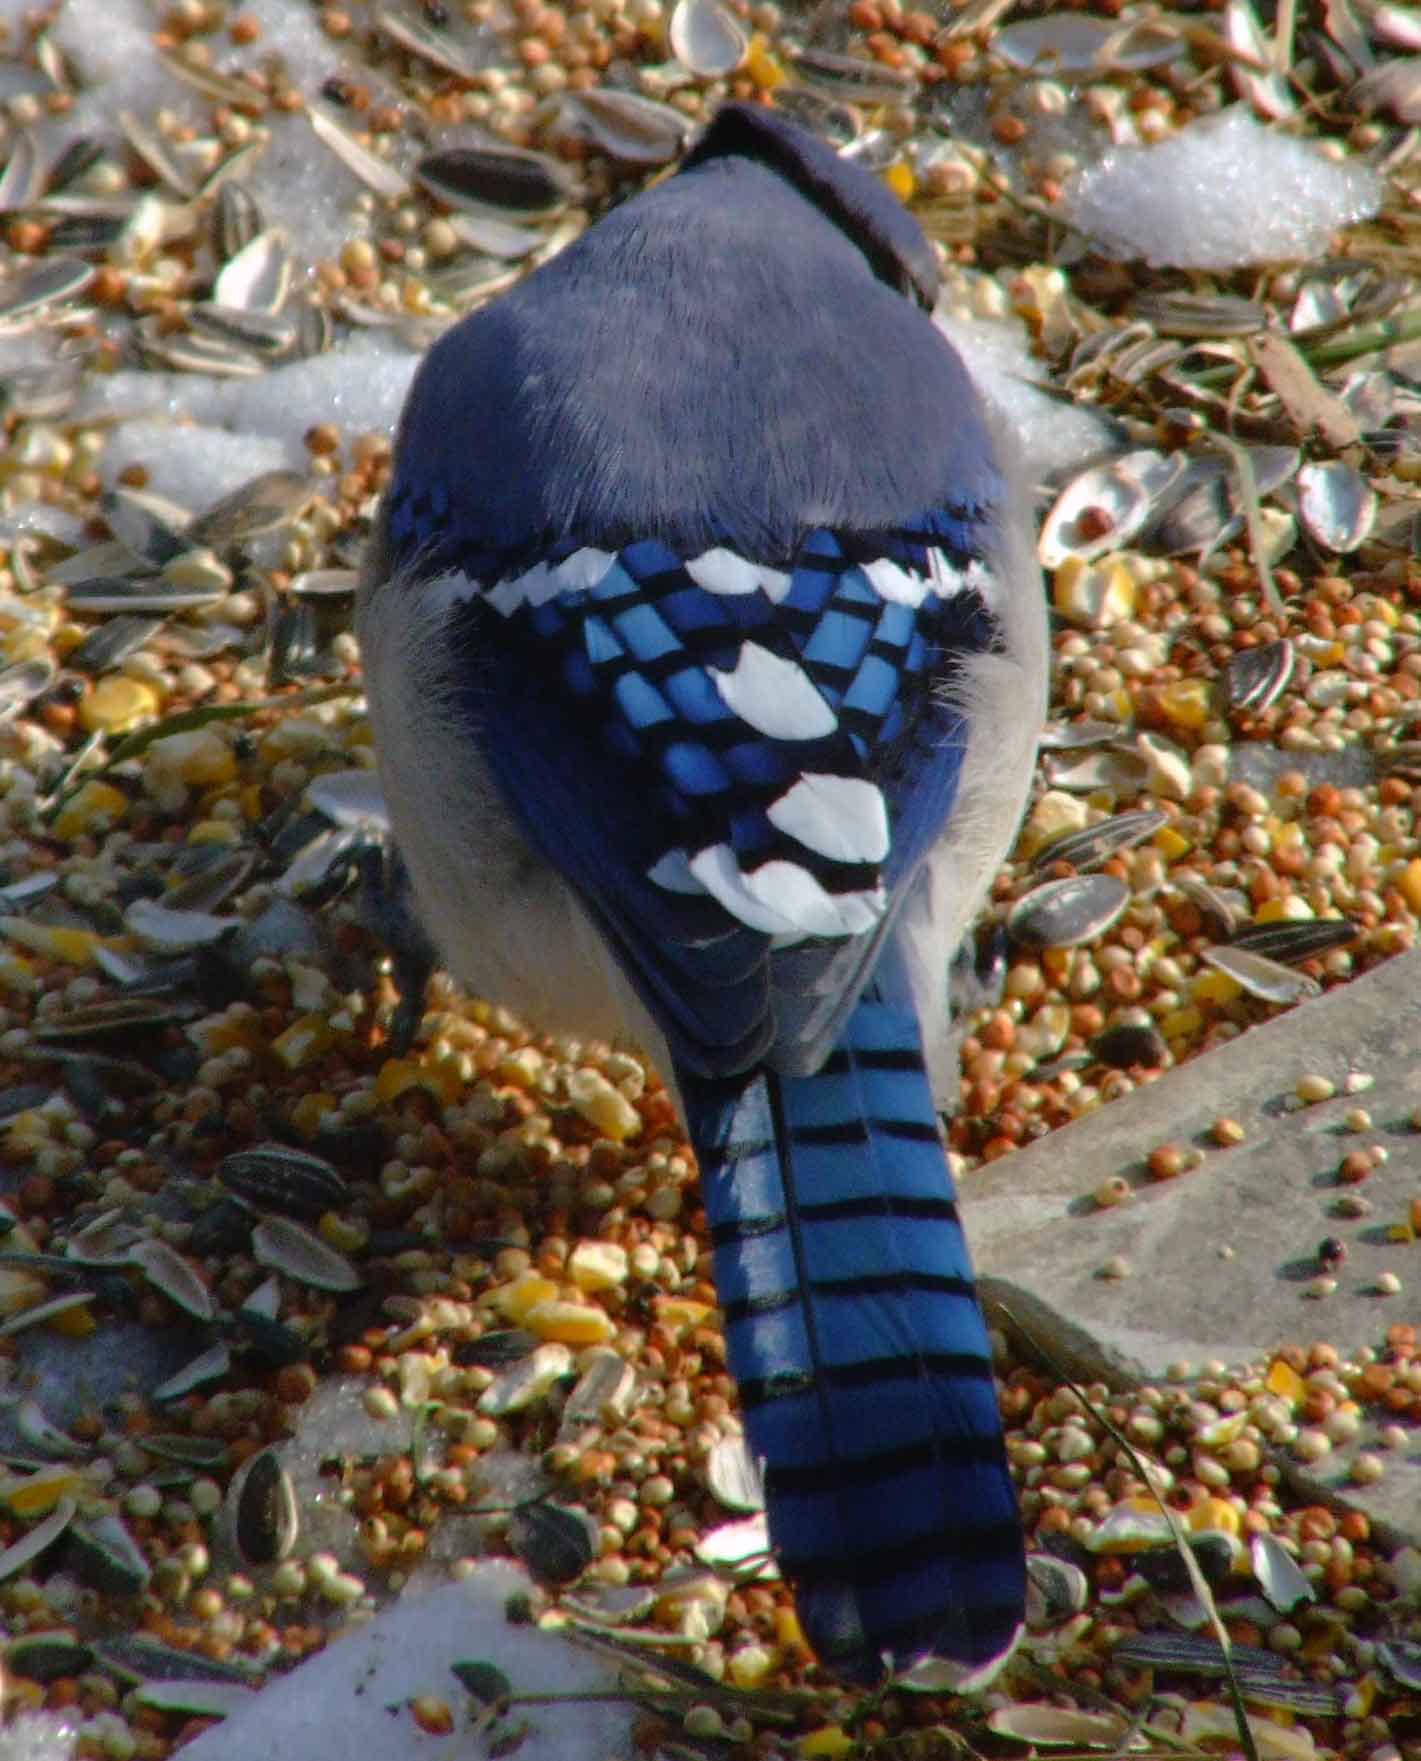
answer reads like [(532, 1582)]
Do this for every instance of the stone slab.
[(1220, 1259)]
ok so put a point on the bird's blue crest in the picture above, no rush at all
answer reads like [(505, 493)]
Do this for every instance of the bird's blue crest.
[(844, 192)]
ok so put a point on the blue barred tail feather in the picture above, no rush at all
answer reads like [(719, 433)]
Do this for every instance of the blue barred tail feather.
[(854, 1332)]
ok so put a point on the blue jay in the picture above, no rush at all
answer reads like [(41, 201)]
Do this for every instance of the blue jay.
[(705, 657)]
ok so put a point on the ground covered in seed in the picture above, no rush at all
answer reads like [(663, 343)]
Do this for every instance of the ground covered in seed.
[(262, 1189)]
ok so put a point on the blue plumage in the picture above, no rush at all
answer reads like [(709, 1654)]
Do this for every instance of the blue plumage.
[(694, 574)]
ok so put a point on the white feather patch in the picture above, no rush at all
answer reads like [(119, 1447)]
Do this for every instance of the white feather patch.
[(535, 587), (451, 590), (843, 818), (946, 577), (673, 874), (782, 899), (776, 583), (982, 581), (774, 696), (892, 582), (584, 568), (720, 571)]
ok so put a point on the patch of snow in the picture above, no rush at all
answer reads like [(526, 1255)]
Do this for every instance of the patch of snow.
[(1224, 192)]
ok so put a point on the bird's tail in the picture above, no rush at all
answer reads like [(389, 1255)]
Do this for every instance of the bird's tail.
[(853, 1329)]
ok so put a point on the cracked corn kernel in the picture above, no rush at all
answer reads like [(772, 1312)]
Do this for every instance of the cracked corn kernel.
[(304, 1041), (570, 1323), (73, 946), (527, 1292), (603, 1105), (597, 1265), (95, 802), (117, 704)]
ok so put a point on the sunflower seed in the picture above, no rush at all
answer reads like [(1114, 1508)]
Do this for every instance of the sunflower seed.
[(49, 283), (1089, 771), (495, 1350), (375, 173), (258, 277), (1103, 508), (46, 393), (46, 1657), (266, 1519), (1260, 977), (1279, 1576), (1336, 504), (196, 1699), (496, 237), (1059, 1587), (431, 45), (103, 1554), (1255, 678), (286, 1246), (556, 1543), (272, 1342), (208, 1366), (105, 1241), (21, 683), (1096, 843), (38, 1316), (1267, 91), (265, 1300), (350, 798), (326, 584), (1291, 941), (734, 1477), (636, 131), (155, 155), (256, 331), (1060, 1727), (116, 1017), (22, 180), (236, 219), (109, 593), (111, 643), (853, 77), (139, 1659), (213, 878), (1130, 1044), (151, 526), (1224, 911), (1193, 315), (32, 1544), (110, 560), (706, 39), (498, 180), (1401, 1661), (191, 353), (740, 1549), (167, 1271), (1072, 736), (1071, 43), (291, 1182), (1066, 913), (603, 1396), (264, 504), (161, 930)]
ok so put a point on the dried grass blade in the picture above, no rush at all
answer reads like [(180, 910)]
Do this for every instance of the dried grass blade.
[(1248, 496)]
